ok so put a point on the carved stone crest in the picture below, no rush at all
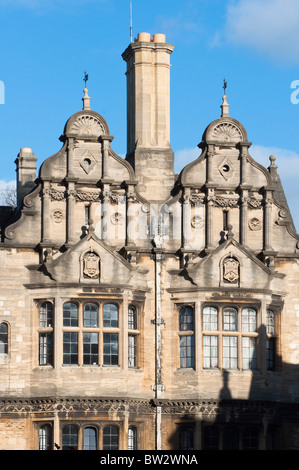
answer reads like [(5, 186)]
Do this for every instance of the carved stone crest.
[(91, 265), (231, 269)]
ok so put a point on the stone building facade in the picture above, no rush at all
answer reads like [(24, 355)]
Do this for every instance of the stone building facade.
[(141, 309)]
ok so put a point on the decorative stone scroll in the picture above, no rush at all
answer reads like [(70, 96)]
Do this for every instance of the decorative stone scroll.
[(231, 270), (225, 202), (196, 199), (254, 203), (91, 265), (87, 196)]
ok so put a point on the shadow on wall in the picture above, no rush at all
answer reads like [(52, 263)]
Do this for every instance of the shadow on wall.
[(267, 420)]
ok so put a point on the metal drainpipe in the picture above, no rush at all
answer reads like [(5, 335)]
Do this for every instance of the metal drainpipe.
[(158, 340)]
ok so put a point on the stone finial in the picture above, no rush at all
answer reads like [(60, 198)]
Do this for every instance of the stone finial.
[(224, 107), (86, 99), (230, 234)]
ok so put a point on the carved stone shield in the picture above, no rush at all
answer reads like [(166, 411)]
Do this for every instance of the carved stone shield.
[(230, 270), (91, 267)]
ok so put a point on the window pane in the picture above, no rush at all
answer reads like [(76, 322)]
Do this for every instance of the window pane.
[(250, 439), (70, 438), (230, 352), (90, 348), (249, 353), (132, 438), (270, 322), (45, 437), (210, 351), (132, 351), (46, 315), (70, 314), (70, 348), (90, 315), (187, 439), (186, 319), (248, 320), (230, 439), (230, 319), (211, 438), (187, 351), (110, 349), (90, 438), (45, 349), (3, 338), (132, 318), (271, 346), (110, 316), (210, 319), (110, 438)]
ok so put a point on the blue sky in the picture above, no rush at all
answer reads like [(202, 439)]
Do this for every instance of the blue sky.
[(47, 44)]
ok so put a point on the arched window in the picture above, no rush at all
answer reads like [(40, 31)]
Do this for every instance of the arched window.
[(230, 319), (110, 438), (270, 323), (45, 437), (132, 438), (133, 336), (186, 319), (90, 315), (70, 437), (186, 327), (70, 314), (90, 438), (210, 319), (110, 316), (187, 438), (3, 338), (132, 318), (248, 320), (46, 315)]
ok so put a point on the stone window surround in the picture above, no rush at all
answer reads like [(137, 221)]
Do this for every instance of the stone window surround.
[(199, 333), (122, 330)]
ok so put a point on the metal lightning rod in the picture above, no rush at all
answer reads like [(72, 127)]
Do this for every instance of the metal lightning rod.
[(131, 22)]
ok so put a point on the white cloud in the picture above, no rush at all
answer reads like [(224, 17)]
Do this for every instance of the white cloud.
[(270, 27), (286, 160)]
